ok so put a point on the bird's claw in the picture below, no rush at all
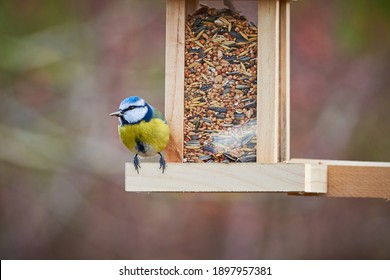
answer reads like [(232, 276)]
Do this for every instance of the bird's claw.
[(137, 166), (163, 163)]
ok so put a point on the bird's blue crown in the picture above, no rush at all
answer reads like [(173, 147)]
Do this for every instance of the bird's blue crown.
[(134, 109)]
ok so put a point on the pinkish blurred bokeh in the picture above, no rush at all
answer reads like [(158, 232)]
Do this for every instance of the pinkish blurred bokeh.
[(65, 65)]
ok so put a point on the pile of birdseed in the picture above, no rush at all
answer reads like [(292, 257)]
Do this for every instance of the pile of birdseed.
[(220, 85)]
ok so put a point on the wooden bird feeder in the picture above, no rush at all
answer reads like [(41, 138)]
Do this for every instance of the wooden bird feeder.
[(273, 170)]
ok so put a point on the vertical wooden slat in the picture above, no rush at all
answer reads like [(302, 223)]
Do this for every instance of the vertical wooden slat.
[(268, 82), (284, 119), (174, 77)]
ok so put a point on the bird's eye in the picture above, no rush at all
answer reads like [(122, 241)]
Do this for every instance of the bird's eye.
[(129, 108)]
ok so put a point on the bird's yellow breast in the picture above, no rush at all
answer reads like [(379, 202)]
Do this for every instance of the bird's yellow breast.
[(153, 135)]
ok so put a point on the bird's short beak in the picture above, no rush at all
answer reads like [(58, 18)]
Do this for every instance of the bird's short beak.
[(116, 114)]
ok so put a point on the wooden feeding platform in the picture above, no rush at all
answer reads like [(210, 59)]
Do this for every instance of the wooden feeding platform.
[(251, 64)]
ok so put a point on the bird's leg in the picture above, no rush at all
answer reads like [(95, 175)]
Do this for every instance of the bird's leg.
[(163, 163), (137, 166)]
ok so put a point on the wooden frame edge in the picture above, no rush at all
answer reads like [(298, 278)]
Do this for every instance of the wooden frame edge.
[(174, 77), (268, 81), (219, 177), (284, 81), (355, 178)]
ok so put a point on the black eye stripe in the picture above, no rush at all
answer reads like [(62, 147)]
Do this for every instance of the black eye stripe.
[(131, 108)]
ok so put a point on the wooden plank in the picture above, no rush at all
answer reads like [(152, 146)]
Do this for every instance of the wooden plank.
[(340, 162), (284, 95), (355, 178), (358, 181), (214, 177), (268, 82), (174, 78)]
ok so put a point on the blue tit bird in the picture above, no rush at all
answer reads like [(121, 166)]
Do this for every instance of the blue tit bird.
[(142, 129)]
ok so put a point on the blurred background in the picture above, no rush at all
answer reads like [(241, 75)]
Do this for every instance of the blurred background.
[(65, 65)]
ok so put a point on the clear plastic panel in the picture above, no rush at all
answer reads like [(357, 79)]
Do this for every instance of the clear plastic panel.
[(220, 85)]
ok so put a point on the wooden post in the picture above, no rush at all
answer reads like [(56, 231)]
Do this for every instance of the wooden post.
[(284, 96), (268, 82), (174, 77)]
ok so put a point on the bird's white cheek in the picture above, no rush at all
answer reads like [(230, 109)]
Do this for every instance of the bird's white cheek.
[(135, 115)]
